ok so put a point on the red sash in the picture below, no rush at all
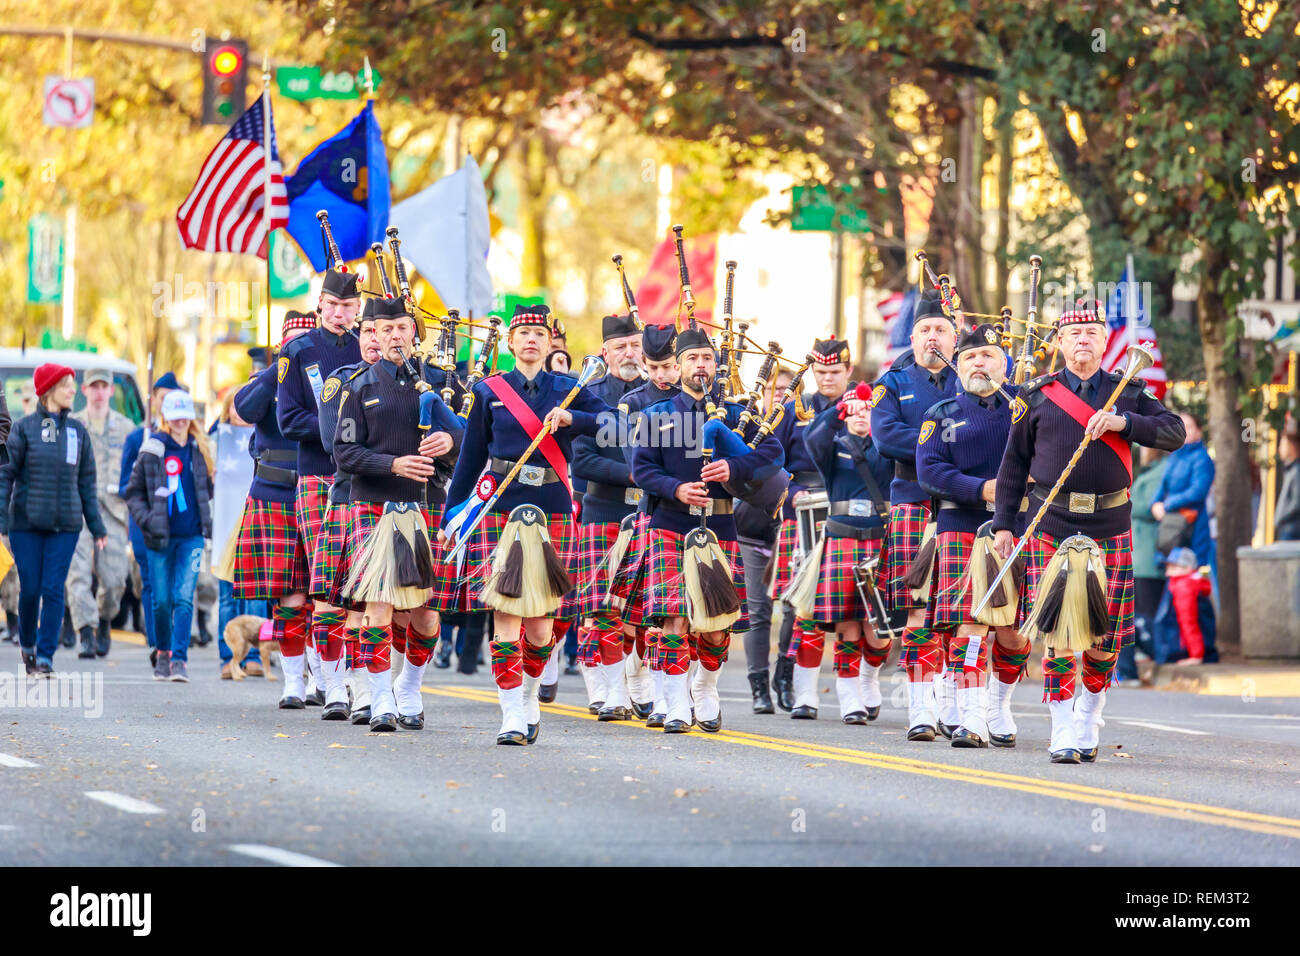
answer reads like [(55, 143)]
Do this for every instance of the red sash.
[(1081, 411), (531, 424)]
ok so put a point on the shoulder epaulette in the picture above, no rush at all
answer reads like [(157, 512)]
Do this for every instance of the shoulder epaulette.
[(295, 345), (942, 408)]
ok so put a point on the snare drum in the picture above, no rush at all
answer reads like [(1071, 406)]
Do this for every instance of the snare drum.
[(811, 512)]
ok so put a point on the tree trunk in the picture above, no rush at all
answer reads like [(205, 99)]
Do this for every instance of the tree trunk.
[(1231, 455), (532, 213), (1005, 148)]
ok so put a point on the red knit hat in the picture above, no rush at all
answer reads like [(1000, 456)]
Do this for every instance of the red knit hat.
[(48, 375)]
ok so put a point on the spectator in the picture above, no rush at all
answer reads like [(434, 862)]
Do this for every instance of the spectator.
[(1189, 595), (1185, 487), (167, 383), (1286, 523), (46, 488), (1148, 578), (92, 612), (170, 495)]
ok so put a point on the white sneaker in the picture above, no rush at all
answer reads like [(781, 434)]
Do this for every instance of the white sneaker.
[(920, 710), (1064, 747), (848, 691), (1088, 722), (514, 722), (708, 706), (1001, 723)]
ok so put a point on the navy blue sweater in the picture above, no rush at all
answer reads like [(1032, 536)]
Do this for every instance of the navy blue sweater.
[(962, 443), (605, 461), (256, 404), (330, 403), (790, 433), (899, 401), (305, 363), (836, 451)]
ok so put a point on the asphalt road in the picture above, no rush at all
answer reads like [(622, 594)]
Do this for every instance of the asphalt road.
[(212, 773)]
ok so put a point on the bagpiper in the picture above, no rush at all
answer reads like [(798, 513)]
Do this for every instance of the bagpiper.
[(301, 370), (899, 401), (519, 558), (392, 427), (1079, 559), (270, 562), (958, 454), (694, 578), (844, 566), (806, 643), (609, 498)]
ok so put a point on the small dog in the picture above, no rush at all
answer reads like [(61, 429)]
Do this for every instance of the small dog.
[(242, 634)]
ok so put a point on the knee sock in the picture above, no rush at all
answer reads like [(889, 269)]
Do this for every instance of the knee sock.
[(1009, 664), (639, 642), (507, 663), (651, 652), (327, 631), (875, 656), (400, 632), (608, 632), (1058, 677), (417, 647), (713, 656), (674, 653), (967, 675), (1096, 674), (588, 647), (289, 628), (922, 656), (376, 647), (352, 647), (811, 645), (848, 656), (535, 657)]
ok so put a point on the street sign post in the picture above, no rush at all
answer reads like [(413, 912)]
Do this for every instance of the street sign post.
[(69, 101), (815, 211)]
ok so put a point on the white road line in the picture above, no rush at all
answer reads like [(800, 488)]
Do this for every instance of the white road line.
[(273, 854), (120, 801), (1154, 726), (7, 827), (7, 760), (1250, 716)]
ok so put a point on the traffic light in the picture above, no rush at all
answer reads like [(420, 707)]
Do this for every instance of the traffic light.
[(225, 78)]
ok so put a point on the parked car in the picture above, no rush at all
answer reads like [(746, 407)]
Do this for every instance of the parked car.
[(17, 365)]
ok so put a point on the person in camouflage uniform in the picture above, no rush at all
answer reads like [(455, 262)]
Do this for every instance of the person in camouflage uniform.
[(93, 610)]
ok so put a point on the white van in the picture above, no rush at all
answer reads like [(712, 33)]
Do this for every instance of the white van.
[(17, 366)]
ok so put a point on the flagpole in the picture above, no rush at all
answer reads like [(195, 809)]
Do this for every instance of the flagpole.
[(1130, 288), (266, 188)]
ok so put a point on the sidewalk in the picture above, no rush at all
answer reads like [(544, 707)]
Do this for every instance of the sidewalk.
[(1232, 677)]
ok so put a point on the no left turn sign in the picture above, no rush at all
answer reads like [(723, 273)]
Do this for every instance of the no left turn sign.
[(69, 102)]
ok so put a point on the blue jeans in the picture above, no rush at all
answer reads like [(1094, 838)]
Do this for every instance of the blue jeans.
[(146, 592), (42, 559), (173, 573), (230, 608)]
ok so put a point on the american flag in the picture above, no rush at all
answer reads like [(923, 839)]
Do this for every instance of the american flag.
[(1117, 320), (223, 212)]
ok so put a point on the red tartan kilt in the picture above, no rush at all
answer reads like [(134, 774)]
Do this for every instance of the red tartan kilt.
[(951, 559), (483, 541), (269, 557), (906, 528), (837, 595), (362, 518), (630, 579), (330, 550), (665, 590), (1117, 552), (310, 507), (787, 539), (595, 542)]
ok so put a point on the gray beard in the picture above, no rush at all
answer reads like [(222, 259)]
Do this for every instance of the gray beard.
[(981, 386)]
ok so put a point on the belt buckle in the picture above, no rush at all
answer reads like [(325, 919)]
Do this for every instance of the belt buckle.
[(988, 506), (1081, 503), (706, 510), (532, 475), (632, 496), (860, 509)]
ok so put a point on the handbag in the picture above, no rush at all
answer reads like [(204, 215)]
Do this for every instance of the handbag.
[(1175, 530)]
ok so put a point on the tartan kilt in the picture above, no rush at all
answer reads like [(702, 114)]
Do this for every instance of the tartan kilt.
[(951, 559), (330, 549), (787, 540), (595, 542), (442, 597), (665, 589), (837, 595), (906, 528), (483, 541), (310, 508), (362, 516), (630, 578), (1117, 553), (269, 557)]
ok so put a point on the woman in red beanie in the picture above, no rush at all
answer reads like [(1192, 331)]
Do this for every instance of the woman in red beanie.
[(46, 489)]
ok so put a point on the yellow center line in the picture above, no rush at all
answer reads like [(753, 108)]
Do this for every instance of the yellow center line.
[(1061, 790)]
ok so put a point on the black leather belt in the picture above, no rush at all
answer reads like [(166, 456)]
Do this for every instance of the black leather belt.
[(627, 494), (1080, 503), (855, 507), (716, 506), (279, 454), (281, 476), (807, 479), (533, 475), (838, 529), (905, 470), (946, 505)]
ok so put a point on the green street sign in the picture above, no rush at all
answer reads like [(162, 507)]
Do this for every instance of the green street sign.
[(311, 83), (814, 211), (290, 272), (44, 259)]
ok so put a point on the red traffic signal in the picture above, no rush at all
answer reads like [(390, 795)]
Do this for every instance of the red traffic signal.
[(226, 60), (225, 79)]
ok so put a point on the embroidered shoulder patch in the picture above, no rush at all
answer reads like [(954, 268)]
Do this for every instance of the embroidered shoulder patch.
[(1018, 409), (877, 394), (331, 389), (282, 368), (927, 430)]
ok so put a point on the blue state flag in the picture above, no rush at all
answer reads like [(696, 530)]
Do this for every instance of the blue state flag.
[(347, 176)]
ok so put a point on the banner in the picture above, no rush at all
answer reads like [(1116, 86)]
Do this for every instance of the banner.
[(232, 480), (44, 259)]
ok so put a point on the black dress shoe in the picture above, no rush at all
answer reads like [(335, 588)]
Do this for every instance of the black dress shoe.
[(873, 712), (963, 738), (1088, 756), (512, 738), (656, 720), (43, 669), (947, 729), (67, 637), (291, 703), (595, 706), (29, 662), (614, 713), (104, 637), (856, 717), (533, 731), (711, 726), (336, 711), (1068, 755), (676, 727), (383, 723), (1002, 740), (361, 715), (546, 693), (411, 722), (442, 657), (642, 711), (921, 732), (804, 712), (87, 651), (762, 697), (783, 684), (315, 699)]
